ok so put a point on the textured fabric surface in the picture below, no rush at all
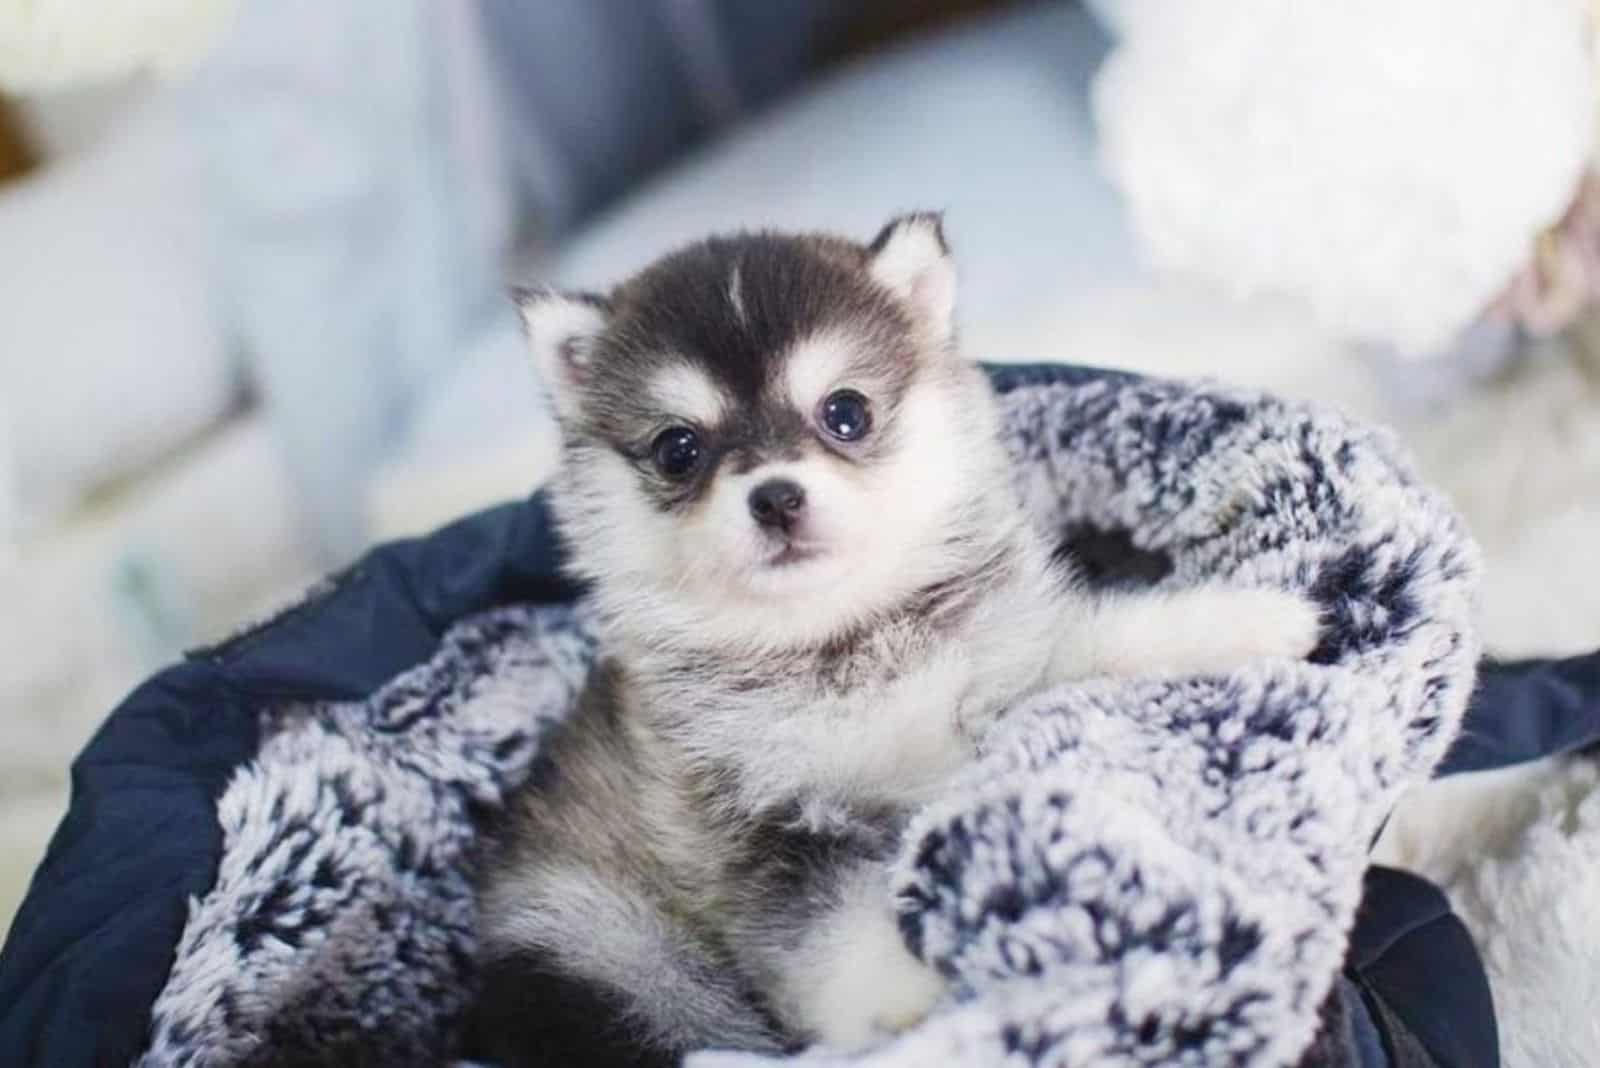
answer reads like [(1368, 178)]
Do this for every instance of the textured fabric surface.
[(340, 925), (1146, 872)]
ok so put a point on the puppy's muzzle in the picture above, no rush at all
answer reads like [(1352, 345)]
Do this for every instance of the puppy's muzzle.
[(778, 504)]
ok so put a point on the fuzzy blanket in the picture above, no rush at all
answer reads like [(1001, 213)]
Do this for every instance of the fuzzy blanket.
[(1136, 873)]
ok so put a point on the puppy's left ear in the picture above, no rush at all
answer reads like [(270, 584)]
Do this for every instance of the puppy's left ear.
[(911, 259), (561, 329)]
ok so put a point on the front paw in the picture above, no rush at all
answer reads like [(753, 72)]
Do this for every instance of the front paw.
[(853, 982), (1217, 629), (879, 999), (1268, 623), (1203, 629)]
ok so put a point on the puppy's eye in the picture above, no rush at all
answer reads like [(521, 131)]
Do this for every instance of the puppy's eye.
[(676, 451), (846, 415)]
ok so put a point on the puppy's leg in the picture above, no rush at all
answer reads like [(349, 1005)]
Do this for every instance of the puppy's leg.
[(1204, 629), (853, 981), (671, 995)]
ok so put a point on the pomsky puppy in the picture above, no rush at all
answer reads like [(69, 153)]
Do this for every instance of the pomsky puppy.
[(816, 590)]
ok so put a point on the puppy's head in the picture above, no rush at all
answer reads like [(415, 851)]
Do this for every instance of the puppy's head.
[(768, 438)]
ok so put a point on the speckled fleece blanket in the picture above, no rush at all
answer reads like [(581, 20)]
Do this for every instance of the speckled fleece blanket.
[(1136, 873)]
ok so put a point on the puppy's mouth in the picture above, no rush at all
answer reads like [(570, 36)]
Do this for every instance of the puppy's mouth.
[(791, 554)]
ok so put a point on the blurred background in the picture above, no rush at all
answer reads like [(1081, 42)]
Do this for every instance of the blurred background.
[(253, 257)]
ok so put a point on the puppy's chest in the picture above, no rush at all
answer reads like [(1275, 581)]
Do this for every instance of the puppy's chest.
[(914, 686), (885, 720)]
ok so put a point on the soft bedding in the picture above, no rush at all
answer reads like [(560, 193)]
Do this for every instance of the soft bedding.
[(269, 854)]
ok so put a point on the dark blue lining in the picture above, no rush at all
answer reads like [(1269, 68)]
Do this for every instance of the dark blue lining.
[(1525, 710), (1411, 951)]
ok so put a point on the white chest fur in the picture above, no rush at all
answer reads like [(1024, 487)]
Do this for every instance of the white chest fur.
[(885, 722)]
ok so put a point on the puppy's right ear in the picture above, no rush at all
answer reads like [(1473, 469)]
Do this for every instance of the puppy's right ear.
[(561, 329), (911, 259)]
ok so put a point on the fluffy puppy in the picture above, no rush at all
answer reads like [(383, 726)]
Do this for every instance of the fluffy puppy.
[(816, 590)]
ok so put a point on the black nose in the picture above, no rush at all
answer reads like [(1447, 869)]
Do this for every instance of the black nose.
[(777, 503)]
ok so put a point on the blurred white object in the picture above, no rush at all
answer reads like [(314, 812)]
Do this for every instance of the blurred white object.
[(207, 540), (10, 504), (113, 354), (482, 437), (1387, 162), (55, 44), (350, 253), (1563, 279)]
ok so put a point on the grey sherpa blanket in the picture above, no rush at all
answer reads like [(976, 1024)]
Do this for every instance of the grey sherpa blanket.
[(1137, 873)]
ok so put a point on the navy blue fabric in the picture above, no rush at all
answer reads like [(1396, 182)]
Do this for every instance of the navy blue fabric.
[(94, 939), (1366, 1041), (1525, 710), (1412, 953)]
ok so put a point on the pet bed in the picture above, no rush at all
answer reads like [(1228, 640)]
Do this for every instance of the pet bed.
[(1136, 873)]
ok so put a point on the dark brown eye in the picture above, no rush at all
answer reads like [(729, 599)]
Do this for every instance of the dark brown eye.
[(676, 452), (846, 415)]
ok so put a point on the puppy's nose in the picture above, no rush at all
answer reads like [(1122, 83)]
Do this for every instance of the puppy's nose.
[(777, 503)]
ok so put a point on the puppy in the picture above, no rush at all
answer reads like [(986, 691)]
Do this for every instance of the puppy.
[(816, 590)]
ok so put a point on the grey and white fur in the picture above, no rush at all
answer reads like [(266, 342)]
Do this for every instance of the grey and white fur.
[(815, 592)]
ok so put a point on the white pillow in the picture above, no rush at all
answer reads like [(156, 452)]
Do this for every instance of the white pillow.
[(111, 352)]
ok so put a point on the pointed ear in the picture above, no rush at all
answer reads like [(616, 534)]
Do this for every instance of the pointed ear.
[(910, 259), (561, 329)]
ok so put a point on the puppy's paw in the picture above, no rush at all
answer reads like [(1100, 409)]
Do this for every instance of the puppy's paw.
[(853, 982), (1258, 623), (876, 1000), (1212, 628)]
